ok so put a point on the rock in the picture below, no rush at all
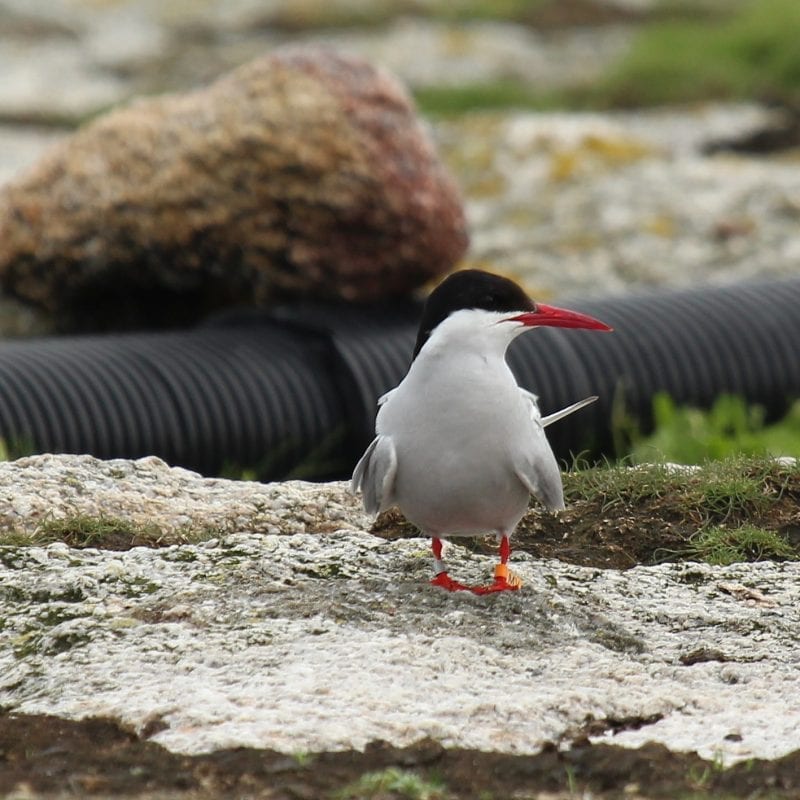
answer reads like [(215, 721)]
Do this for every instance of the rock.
[(302, 173), (273, 639), (590, 204), (147, 492)]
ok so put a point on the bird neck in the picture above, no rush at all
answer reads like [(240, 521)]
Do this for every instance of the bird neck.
[(471, 332)]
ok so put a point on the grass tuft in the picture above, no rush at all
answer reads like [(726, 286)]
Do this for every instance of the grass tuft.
[(108, 533), (621, 484), (450, 100), (722, 546), (723, 511), (400, 783)]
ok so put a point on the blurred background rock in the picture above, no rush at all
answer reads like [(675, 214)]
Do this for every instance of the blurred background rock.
[(301, 175), (599, 144)]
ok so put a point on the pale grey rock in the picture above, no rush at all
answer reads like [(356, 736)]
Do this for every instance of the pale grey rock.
[(53, 79), (21, 146), (601, 203), (148, 492), (478, 52), (305, 641)]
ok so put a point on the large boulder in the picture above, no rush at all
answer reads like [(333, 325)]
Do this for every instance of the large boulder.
[(303, 173)]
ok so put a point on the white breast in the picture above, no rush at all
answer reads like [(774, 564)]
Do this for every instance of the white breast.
[(459, 425)]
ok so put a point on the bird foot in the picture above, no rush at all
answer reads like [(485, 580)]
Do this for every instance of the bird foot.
[(504, 581), (446, 582), (499, 585)]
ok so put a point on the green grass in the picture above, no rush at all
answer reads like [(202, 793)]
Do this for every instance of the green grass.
[(392, 782), (752, 53), (730, 510), (731, 427), (314, 16), (722, 546), (11, 450), (687, 52), (103, 532), (736, 487), (461, 10), (490, 96), (619, 484), (83, 530)]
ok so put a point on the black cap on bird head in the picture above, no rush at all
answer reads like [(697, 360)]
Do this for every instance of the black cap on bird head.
[(469, 288)]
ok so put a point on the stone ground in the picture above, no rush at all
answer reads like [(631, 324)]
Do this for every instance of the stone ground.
[(170, 669)]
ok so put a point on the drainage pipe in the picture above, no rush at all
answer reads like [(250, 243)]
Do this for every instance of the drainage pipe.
[(292, 391)]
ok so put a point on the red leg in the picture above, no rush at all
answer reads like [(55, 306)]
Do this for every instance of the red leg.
[(505, 550), (442, 578), (504, 579), (436, 546)]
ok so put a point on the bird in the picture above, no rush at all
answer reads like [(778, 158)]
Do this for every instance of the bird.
[(460, 447)]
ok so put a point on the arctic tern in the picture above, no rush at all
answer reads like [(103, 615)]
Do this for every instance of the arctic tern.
[(460, 446)]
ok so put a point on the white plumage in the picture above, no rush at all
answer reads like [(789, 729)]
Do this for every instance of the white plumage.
[(460, 447)]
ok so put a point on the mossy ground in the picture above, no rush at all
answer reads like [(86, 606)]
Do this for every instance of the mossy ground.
[(738, 509)]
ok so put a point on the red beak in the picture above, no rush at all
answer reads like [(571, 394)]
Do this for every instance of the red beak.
[(559, 318)]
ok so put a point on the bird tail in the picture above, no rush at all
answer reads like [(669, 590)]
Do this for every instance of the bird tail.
[(565, 412)]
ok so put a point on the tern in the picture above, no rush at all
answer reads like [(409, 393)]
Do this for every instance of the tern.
[(460, 446)]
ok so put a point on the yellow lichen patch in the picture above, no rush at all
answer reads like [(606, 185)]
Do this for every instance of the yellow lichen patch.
[(470, 142), (564, 165), (662, 225), (595, 153), (489, 184), (580, 241), (617, 149), (469, 150), (520, 216), (457, 42)]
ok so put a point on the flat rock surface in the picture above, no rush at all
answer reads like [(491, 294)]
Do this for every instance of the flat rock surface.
[(320, 635)]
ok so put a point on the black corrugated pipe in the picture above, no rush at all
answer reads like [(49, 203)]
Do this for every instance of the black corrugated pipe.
[(293, 390)]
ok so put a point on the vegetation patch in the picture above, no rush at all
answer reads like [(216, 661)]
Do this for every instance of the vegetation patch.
[(751, 53), (450, 100), (392, 782), (729, 428), (102, 532), (683, 52), (660, 512), (622, 515), (107, 533), (721, 545)]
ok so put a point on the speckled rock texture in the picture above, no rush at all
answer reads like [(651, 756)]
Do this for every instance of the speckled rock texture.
[(293, 628), (148, 492), (302, 173)]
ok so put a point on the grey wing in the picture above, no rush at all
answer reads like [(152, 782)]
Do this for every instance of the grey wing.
[(385, 396), (374, 475), (537, 467)]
